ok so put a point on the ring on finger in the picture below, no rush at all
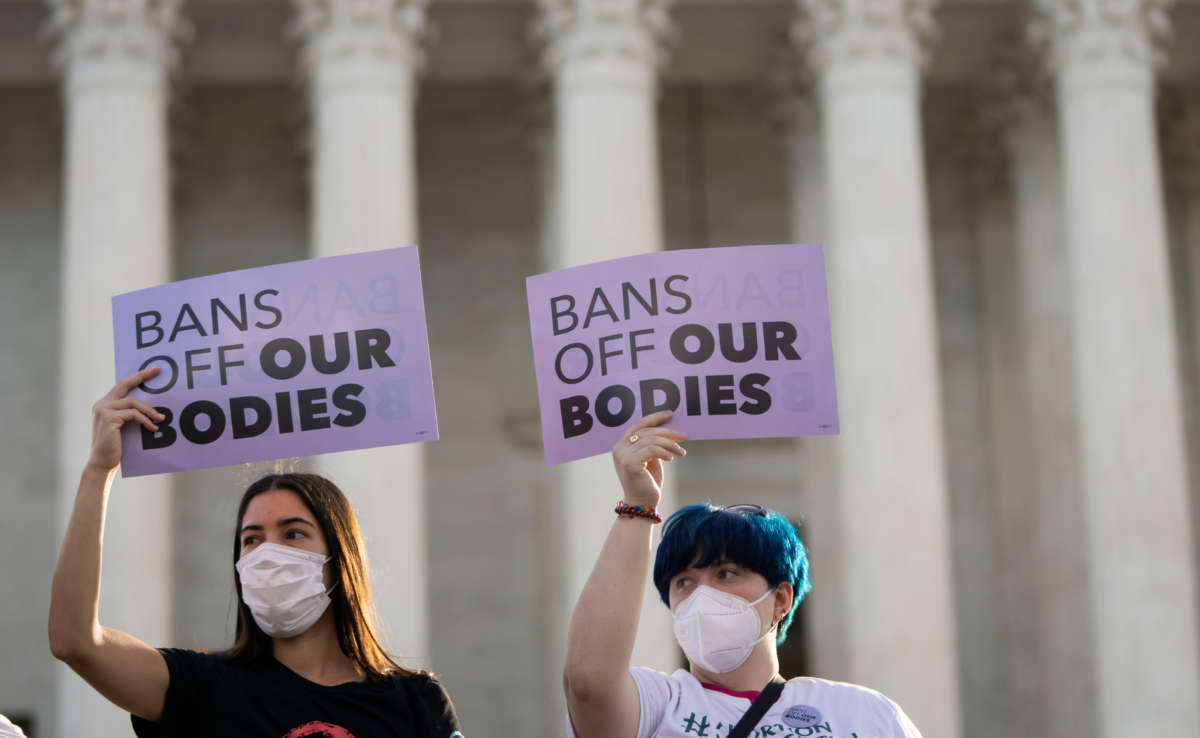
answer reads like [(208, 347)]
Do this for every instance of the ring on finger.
[(634, 438)]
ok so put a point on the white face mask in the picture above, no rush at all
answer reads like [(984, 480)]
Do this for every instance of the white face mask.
[(284, 588), (718, 630)]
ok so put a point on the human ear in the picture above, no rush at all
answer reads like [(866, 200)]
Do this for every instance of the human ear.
[(783, 600)]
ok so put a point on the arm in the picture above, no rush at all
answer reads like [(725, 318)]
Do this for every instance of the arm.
[(601, 696), (125, 670)]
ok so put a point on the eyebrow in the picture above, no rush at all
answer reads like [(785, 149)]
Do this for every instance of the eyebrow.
[(722, 562), (280, 524)]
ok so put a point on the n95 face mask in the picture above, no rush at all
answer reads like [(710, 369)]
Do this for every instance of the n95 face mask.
[(718, 630), (284, 588)]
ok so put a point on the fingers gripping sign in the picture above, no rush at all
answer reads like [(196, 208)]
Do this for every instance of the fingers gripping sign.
[(639, 455), (113, 411)]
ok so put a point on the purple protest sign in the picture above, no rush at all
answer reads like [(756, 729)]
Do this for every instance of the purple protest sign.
[(735, 340), (287, 360)]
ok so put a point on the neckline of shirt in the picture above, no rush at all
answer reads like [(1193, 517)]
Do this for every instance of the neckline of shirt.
[(749, 694)]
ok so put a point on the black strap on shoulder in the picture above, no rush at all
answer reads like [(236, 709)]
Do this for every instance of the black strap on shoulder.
[(758, 708)]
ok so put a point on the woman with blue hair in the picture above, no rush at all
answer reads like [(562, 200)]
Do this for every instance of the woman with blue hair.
[(732, 577)]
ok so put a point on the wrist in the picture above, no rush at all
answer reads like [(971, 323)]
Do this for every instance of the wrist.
[(646, 512), (98, 471), (635, 496)]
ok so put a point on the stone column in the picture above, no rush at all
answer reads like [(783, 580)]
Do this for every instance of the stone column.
[(986, 427), (361, 58), (551, 537), (798, 112), (893, 578), (115, 56), (1181, 155), (1055, 623), (1135, 507), (603, 57)]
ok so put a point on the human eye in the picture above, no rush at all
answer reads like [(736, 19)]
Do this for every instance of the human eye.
[(249, 541), (729, 571), (295, 534), (682, 582)]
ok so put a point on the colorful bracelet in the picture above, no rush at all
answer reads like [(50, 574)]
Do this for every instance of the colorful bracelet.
[(625, 510)]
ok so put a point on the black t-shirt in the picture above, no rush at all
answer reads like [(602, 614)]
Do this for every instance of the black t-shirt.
[(209, 696)]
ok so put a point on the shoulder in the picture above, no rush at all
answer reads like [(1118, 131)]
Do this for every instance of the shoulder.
[(418, 682), (184, 663), (187, 654), (431, 703), (659, 692), (832, 687), (679, 677), (195, 679), (674, 682), (847, 697)]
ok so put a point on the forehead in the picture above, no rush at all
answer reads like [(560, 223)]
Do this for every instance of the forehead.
[(273, 505)]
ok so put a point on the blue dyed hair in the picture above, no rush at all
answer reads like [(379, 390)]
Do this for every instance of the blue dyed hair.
[(698, 536)]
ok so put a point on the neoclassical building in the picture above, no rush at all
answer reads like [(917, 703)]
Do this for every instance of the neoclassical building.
[(1003, 537)]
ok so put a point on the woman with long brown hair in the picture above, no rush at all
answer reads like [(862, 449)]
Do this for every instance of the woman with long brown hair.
[(306, 661)]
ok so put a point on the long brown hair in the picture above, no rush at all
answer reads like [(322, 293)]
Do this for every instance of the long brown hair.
[(353, 615)]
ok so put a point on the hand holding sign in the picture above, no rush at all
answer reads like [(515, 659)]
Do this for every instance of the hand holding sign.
[(113, 411), (735, 340), (639, 455)]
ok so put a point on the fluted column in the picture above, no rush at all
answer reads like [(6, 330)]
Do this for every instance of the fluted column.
[(1052, 658), (1135, 508), (361, 58), (893, 579), (551, 538), (115, 56), (989, 458), (1182, 152), (798, 112), (603, 57), (1181, 156)]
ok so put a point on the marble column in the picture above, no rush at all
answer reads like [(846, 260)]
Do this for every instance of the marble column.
[(1055, 624), (983, 390), (1135, 506), (361, 58), (798, 112), (1181, 156), (115, 57), (551, 537), (893, 580), (603, 57)]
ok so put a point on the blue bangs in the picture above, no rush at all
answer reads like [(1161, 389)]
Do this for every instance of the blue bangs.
[(702, 535)]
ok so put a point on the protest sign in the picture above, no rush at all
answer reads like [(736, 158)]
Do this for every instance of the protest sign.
[(735, 340), (286, 360)]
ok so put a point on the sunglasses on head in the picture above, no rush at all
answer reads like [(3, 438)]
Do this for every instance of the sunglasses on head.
[(758, 510)]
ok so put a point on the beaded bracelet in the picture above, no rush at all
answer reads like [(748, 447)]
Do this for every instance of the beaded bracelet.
[(625, 510)]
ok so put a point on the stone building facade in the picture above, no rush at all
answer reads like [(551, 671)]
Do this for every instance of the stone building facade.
[(1003, 536)]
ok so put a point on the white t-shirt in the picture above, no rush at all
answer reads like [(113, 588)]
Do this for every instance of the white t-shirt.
[(678, 706)]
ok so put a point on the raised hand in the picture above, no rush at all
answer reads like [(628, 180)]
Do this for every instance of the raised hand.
[(639, 455), (114, 410)]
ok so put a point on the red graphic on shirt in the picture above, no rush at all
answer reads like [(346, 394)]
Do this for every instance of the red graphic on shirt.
[(317, 729)]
